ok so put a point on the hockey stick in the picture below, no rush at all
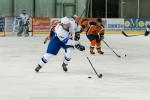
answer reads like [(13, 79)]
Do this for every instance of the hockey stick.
[(14, 24), (81, 15), (111, 49), (130, 35), (98, 75)]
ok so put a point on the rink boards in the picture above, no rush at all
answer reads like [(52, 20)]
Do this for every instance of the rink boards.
[(9, 25)]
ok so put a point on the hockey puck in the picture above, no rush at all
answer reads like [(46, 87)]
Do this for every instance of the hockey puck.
[(125, 55), (100, 75), (89, 77)]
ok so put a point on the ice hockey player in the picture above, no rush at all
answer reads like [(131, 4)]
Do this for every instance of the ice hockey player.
[(147, 30), (74, 28), (61, 39), (95, 33), (23, 24)]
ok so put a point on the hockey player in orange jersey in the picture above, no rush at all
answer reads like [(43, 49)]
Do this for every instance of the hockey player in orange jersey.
[(95, 33)]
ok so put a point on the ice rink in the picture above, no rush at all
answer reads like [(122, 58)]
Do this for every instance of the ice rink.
[(126, 78)]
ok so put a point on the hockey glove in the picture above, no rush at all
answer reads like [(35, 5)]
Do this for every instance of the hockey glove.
[(46, 39), (77, 36), (27, 23), (146, 33), (101, 36), (80, 47)]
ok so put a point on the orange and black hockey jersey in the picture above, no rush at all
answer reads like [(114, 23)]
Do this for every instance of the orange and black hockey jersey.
[(89, 25)]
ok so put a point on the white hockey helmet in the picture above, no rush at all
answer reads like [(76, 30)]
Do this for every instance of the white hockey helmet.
[(65, 20)]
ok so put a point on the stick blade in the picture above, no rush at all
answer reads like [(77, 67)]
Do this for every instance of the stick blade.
[(100, 75), (125, 34)]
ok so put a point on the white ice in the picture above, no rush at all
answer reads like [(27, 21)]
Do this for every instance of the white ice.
[(126, 78)]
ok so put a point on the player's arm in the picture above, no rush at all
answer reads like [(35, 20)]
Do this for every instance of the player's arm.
[(50, 36), (101, 32), (46, 39), (27, 20), (77, 33), (84, 25)]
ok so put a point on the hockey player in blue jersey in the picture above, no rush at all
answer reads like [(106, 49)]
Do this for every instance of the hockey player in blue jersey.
[(62, 38)]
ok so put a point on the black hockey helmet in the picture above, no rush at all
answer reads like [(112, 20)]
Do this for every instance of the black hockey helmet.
[(24, 11), (99, 20)]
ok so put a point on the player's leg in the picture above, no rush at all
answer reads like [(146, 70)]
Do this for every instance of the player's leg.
[(67, 57), (98, 48), (98, 45), (69, 48), (43, 61), (26, 30), (92, 40), (92, 46), (53, 48), (20, 31)]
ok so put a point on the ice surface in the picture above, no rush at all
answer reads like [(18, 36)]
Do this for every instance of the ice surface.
[(127, 78)]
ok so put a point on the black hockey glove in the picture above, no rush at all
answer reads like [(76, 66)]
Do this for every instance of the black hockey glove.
[(146, 33), (80, 47), (77, 36), (101, 36), (27, 23)]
